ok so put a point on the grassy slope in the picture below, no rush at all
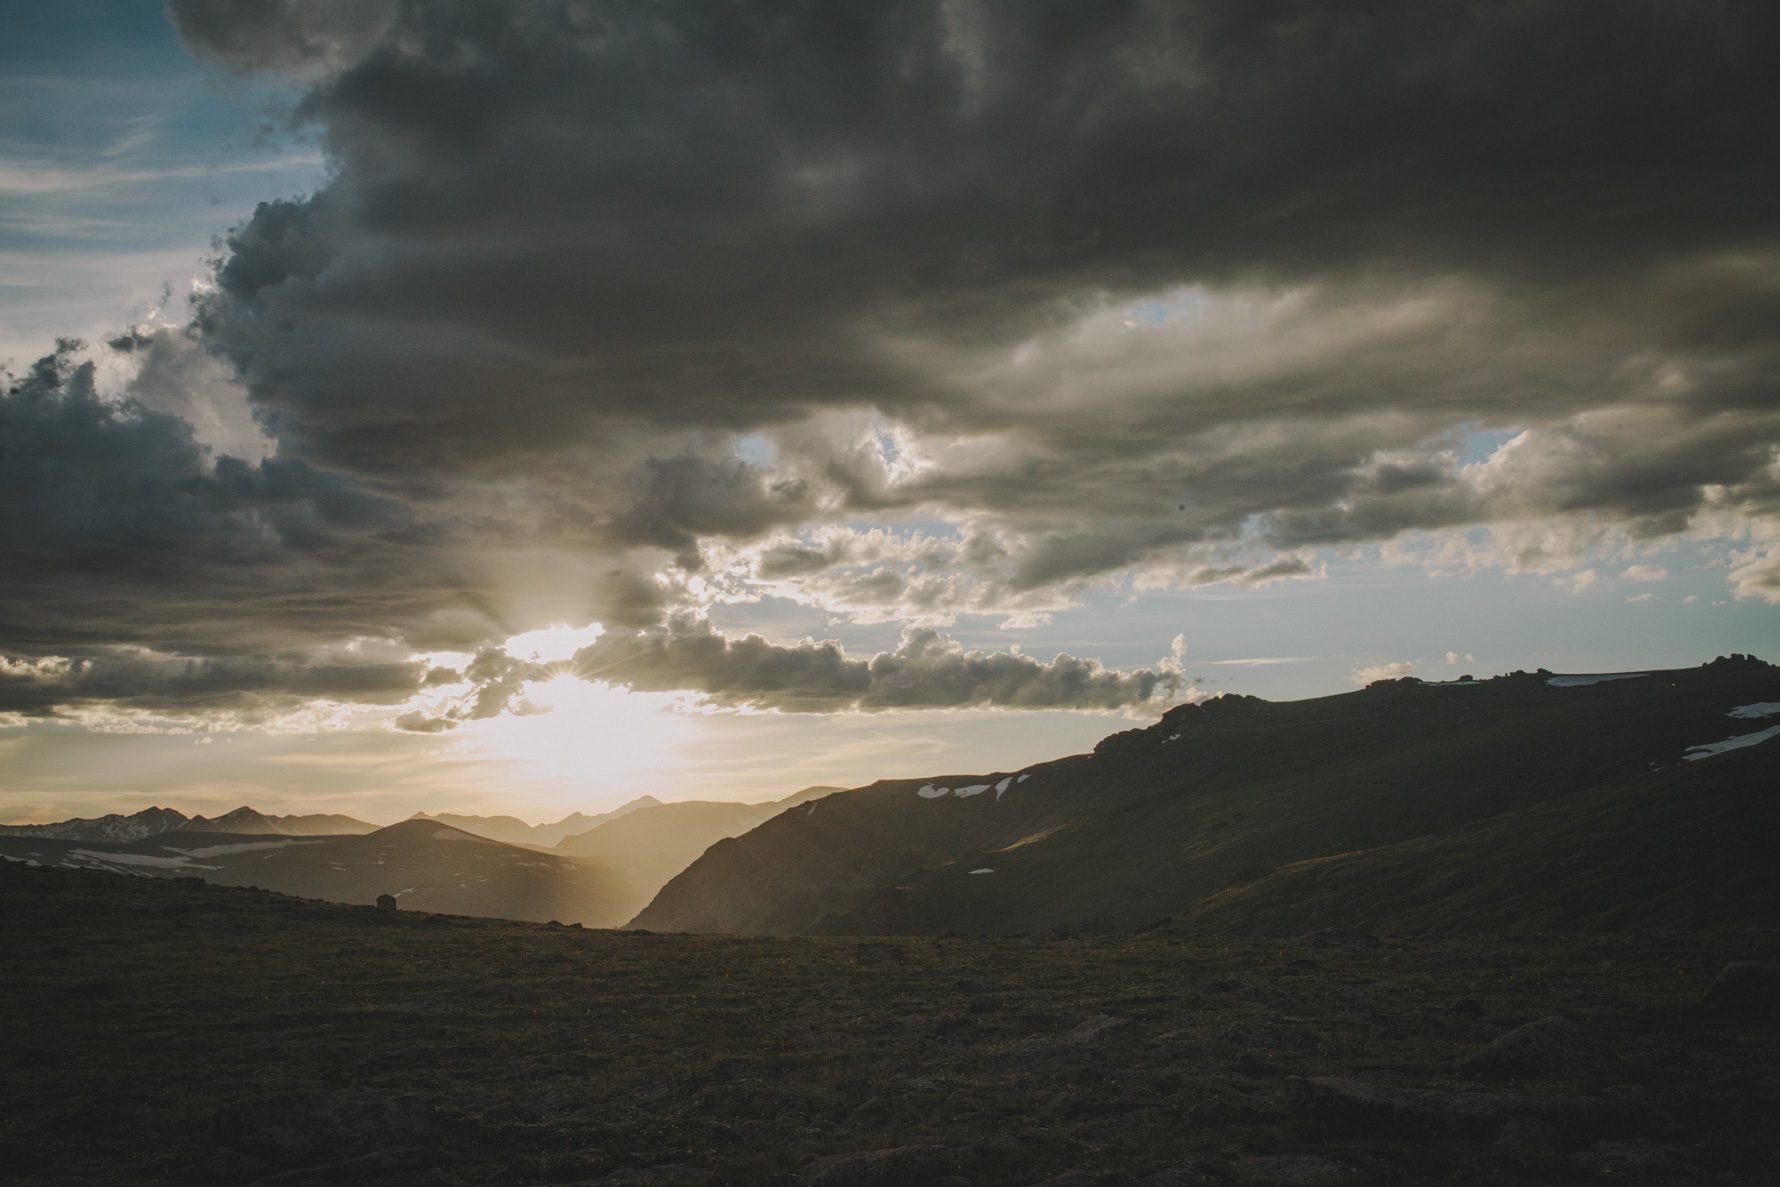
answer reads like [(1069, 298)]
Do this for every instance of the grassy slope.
[(1147, 827), (174, 1032), (1695, 846)]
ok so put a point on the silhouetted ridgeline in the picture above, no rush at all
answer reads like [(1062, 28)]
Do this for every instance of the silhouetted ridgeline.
[(1529, 800)]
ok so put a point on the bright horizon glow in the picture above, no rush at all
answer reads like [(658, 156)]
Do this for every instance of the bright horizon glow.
[(585, 738)]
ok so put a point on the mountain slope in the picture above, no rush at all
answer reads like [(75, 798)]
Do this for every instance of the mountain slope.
[(1690, 847), (515, 831), (1220, 795), (655, 843), (427, 866)]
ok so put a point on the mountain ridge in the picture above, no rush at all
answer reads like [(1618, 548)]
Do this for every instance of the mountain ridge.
[(1215, 796)]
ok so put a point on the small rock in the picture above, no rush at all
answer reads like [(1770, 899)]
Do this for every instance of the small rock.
[(1342, 937), (1096, 1028), (1745, 988), (884, 1168), (386, 903), (1528, 1140), (678, 1174), (1359, 1108), (1468, 1007), (1550, 1049), (304, 1128), (1189, 1174), (1635, 1161), (1290, 1170), (878, 954)]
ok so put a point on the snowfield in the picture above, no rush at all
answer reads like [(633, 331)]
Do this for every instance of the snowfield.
[(1759, 709), (242, 847), (1709, 749), (136, 859), (929, 791), (1592, 678)]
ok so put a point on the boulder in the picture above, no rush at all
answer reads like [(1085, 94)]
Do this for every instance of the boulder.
[(1289, 1170), (1551, 1048), (1745, 988), (386, 903), (303, 1128), (1095, 1029), (1362, 1109), (885, 1168)]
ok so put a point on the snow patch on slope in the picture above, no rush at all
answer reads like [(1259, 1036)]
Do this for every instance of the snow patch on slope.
[(135, 859), (243, 847), (1759, 709), (1591, 678), (1709, 749)]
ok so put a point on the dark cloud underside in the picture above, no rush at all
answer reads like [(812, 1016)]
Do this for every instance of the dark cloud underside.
[(1179, 291)]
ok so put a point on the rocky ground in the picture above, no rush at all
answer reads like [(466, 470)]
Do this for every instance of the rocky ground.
[(174, 1032)]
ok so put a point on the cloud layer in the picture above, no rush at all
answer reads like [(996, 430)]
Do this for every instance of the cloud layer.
[(919, 312)]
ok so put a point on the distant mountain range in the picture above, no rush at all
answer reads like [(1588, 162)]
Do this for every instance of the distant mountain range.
[(427, 866), (153, 821), (515, 831), (473, 865), (1556, 801)]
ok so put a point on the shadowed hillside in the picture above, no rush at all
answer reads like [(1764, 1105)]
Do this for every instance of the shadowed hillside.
[(1413, 781)]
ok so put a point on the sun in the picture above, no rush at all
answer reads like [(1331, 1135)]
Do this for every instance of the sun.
[(589, 740)]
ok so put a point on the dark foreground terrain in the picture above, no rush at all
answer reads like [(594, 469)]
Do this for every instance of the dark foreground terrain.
[(170, 1031)]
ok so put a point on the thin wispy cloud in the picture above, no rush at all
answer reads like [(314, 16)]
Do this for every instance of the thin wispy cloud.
[(37, 179)]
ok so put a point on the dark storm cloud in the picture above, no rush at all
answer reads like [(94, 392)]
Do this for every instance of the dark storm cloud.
[(119, 527), (303, 38), (1185, 286), (549, 215), (560, 236), (689, 497)]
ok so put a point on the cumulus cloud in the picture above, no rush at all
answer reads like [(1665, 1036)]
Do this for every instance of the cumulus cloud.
[(1394, 670), (924, 671)]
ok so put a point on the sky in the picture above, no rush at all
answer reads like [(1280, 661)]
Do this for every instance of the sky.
[(521, 408)]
